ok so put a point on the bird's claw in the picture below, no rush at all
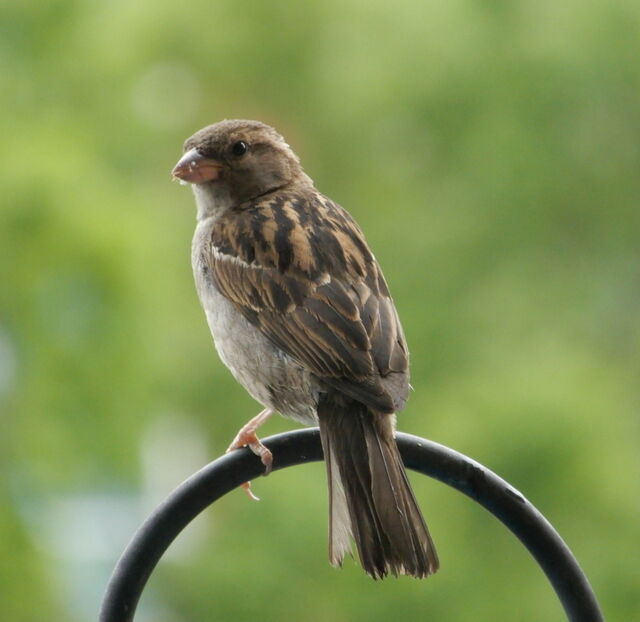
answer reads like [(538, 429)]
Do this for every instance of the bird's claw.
[(247, 488), (265, 455)]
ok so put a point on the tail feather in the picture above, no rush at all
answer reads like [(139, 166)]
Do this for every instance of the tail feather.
[(339, 522), (369, 494)]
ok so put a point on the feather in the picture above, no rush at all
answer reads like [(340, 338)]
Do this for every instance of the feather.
[(364, 465), (329, 311)]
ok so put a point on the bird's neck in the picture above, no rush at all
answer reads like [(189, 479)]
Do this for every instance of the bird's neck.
[(211, 200)]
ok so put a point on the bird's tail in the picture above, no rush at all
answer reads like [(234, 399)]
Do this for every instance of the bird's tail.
[(370, 498)]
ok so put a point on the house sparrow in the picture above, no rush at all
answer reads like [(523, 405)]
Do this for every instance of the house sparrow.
[(300, 313)]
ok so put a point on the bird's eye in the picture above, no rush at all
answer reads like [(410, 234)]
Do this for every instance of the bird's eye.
[(239, 148)]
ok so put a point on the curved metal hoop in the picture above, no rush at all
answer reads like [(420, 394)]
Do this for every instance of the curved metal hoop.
[(446, 465)]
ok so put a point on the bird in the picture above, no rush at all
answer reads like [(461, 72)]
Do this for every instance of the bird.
[(301, 314)]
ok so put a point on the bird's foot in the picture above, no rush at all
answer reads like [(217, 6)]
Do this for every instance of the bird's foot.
[(247, 437)]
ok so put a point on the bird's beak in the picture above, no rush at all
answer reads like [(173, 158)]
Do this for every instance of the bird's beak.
[(195, 168)]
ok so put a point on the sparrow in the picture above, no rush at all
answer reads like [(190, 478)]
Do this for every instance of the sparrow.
[(300, 313)]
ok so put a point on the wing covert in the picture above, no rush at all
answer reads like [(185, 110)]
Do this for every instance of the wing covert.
[(331, 313)]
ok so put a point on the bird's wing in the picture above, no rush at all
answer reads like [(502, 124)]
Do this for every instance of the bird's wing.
[(298, 268)]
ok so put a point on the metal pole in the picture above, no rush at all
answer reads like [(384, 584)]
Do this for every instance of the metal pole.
[(299, 446)]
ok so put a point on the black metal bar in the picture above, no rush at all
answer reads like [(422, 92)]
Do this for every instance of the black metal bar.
[(299, 446)]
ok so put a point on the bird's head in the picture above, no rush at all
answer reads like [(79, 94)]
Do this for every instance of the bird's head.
[(235, 161)]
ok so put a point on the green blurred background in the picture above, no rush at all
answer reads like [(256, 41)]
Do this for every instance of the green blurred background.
[(491, 152)]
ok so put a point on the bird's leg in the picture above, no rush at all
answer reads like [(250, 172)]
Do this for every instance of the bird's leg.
[(246, 437)]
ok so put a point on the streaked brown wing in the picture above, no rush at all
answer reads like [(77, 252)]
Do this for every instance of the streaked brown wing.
[(334, 316)]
